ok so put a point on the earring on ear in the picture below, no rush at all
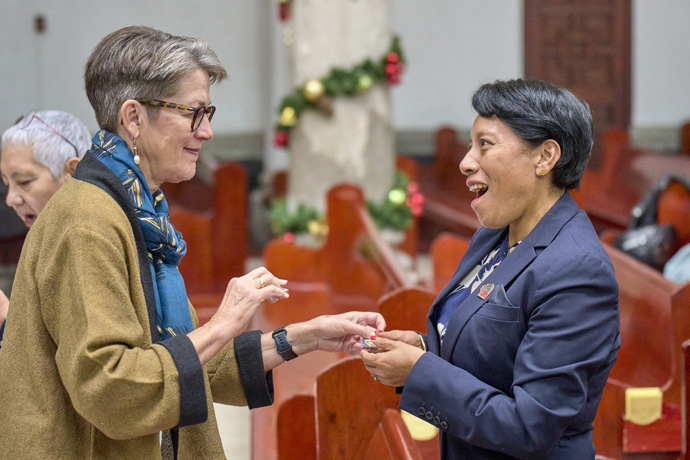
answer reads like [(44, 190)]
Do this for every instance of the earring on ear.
[(541, 171), (136, 153)]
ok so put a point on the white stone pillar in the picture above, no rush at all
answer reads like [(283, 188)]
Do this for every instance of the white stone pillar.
[(356, 143)]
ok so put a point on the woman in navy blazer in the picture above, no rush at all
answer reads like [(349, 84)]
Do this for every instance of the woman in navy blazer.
[(520, 342)]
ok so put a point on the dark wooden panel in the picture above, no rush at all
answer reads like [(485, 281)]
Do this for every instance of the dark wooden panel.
[(583, 46)]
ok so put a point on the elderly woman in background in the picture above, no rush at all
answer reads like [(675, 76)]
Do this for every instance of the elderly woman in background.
[(38, 154), (520, 342), (107, 359)]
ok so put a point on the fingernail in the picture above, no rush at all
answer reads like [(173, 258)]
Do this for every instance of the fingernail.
[(285, 289), (373, 337), (379, 331)]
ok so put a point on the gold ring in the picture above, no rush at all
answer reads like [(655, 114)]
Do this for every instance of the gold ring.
[(262, 283)]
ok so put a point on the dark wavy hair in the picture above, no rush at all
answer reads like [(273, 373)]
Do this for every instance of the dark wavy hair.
[(537, 111)]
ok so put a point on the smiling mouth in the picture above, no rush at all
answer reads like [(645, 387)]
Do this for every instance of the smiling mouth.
[(479, 189)]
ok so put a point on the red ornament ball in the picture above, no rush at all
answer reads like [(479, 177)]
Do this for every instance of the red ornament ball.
[(281, 138)]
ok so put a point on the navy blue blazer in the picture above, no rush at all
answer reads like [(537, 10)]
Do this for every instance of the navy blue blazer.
[(521, 372)]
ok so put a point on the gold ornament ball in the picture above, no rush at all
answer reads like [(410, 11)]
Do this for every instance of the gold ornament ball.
[(397, 196), (313, 90), (364, 83), (288, 117)]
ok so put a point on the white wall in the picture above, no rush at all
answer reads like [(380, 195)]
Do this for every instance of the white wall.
[(452, 46), (46, 71), (660, 62)]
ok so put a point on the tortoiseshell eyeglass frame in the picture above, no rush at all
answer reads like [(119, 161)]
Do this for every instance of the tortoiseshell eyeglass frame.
[(199, 112)]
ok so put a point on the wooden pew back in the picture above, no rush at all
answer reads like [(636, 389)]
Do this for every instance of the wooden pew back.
[(406, 309), (686, 399), (217, 239), (355, 281), (295, 378), (392, 440), (646, 354), (446, 251), (349, 406)]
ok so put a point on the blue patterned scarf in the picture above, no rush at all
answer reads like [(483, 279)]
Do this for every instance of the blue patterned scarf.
[(164, 244)]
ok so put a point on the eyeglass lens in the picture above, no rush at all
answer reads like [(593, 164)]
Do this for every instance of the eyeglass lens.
[(199, 115)]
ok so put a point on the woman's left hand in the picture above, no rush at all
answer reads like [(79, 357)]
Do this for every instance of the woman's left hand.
[(394, 360), (343, 332)]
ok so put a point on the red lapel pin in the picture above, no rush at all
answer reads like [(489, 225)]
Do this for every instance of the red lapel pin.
[(485, 290)]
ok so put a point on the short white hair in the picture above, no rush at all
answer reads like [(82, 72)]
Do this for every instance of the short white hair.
[(48, 147)]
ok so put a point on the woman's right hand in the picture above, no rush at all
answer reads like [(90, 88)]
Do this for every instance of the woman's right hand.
[(242, 297)]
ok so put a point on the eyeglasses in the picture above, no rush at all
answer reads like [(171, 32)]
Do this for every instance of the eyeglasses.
[(25, 121), (199, 112)]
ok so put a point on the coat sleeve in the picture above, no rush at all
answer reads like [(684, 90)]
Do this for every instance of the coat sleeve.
[(237, 373), (94, 309), (571, 336)]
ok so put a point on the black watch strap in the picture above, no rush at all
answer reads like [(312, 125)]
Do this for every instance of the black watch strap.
[(284, 347)]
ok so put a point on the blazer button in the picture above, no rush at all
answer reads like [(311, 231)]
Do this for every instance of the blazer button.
[(421, 411), (444, 425), (429, 415), (437, 420)]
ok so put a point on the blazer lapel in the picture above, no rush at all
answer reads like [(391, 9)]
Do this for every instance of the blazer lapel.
[(471, 259), (540, 237)]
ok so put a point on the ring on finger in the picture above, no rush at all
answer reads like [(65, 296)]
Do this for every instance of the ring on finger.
[(262, 282), (374, 377)]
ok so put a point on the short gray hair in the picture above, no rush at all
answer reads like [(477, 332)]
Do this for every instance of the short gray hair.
[(142, 62), (48, 147)]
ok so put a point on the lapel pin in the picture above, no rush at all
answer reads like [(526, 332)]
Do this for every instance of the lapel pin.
[(485, 290)]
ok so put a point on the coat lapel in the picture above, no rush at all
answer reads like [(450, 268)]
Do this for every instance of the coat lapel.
[(540, 237), (470, 260)]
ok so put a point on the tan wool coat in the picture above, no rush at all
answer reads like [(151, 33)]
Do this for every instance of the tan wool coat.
[(81, 373)]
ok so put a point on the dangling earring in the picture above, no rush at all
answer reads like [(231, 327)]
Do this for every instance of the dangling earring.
[(136, 153)]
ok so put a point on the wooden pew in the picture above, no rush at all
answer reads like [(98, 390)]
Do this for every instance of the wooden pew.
[(292, 379), (217, 238), (446, 197), (655, 320), (686, 399), (407, 309), (392, 440), (446, 251), (404, 164), (685, 138), (352, 415), (354, 261), (349, 406), (627, 174)]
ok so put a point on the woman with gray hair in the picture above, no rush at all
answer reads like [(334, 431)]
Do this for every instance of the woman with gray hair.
[(107, 359), (37, 155)]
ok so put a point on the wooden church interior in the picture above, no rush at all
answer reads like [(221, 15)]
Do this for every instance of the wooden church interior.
[(327, 406)]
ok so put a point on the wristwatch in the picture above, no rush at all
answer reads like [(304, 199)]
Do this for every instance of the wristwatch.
[(284, 347)]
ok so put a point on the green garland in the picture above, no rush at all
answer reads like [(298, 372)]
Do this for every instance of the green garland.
[(401, 203), (317, 94)]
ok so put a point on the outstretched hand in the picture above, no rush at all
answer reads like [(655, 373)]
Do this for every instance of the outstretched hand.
[(393, 361), (343, 332)]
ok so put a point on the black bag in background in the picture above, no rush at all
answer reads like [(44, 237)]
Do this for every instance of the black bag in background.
[(645, 239)]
